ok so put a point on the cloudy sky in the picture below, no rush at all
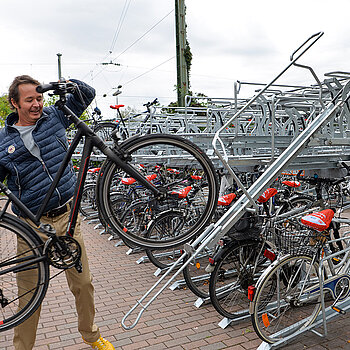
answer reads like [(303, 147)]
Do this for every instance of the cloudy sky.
[(230, 40)]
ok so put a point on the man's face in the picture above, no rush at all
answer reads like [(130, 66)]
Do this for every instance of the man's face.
[(29, 106)]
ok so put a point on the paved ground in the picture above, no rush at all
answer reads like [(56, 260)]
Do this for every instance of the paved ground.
[(171, 322)]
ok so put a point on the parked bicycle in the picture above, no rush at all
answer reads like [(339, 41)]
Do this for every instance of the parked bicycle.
[(308, 279)]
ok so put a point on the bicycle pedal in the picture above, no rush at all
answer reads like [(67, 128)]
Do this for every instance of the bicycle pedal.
[(79, 267), (339, 310), (210, 268), (336, 261)]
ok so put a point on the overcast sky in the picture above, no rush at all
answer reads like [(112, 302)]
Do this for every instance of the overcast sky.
[(230, 40)]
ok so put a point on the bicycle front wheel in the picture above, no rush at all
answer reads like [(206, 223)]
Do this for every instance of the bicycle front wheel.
[(176, 166), (283, 304), (24, 272), (169, 221)]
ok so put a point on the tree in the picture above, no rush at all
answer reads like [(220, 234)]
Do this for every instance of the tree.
[(5, 109)]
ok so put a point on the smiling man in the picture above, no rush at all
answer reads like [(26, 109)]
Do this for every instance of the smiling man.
[(28, 103), (33, 143)]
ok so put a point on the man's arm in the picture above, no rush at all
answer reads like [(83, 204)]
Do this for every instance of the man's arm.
[(86, 92), (78, 101)]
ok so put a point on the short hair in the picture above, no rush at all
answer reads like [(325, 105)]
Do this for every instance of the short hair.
[(13, 89)]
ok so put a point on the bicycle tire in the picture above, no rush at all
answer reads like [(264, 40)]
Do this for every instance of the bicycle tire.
[(195, 274), (104, 130), (18, 304), (88, 201), (170, 151), (279, 307), (239, 267), (159, 257), (296, 201)]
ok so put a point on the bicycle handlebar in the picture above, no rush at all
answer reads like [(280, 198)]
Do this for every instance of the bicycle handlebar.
[(43, 88), (318, 180), (149, 104), (58, 88)]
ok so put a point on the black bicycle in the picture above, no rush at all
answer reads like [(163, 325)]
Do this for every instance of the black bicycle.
[(122, 160)]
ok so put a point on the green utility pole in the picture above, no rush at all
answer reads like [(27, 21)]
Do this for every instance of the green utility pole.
[(182, 80)]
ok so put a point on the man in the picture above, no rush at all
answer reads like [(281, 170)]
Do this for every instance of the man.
[(32, 146)]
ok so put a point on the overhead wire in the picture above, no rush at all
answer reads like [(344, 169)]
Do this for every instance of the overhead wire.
[(102, 68), (143, 35), (120, 24), (150, 70)]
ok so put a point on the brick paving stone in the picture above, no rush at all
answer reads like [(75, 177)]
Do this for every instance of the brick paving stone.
[(215, 346), (194, 344), (172, 322)]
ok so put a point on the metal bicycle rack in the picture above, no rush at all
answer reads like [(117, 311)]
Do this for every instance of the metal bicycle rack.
[(314, 133), (283, 127)]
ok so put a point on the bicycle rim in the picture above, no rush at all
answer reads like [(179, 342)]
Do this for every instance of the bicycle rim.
[(177, 165), (22, 287), (280, 307), (239, 267)]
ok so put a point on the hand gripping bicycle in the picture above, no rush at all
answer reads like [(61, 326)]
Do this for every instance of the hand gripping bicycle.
[(121, 161)]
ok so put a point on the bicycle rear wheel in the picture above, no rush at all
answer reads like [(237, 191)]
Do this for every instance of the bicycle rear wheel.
[(183, 173), (24, 272), (282, 304), (239, 267)]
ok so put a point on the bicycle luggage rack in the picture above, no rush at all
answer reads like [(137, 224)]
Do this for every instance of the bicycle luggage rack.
[(214, 232)]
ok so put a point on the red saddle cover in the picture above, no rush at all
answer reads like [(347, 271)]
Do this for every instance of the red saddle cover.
[(226, 199), (151, 177), (183, 192), (127, 180), (291, 183), (320, 221), (270, 192), (131, 180)]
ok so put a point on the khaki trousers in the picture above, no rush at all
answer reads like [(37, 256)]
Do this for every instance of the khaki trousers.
[(80, 285)]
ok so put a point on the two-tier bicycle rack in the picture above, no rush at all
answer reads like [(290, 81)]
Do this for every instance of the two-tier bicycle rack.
[(209, 238)]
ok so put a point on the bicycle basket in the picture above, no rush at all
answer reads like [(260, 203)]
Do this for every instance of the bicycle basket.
[(298, 241)]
